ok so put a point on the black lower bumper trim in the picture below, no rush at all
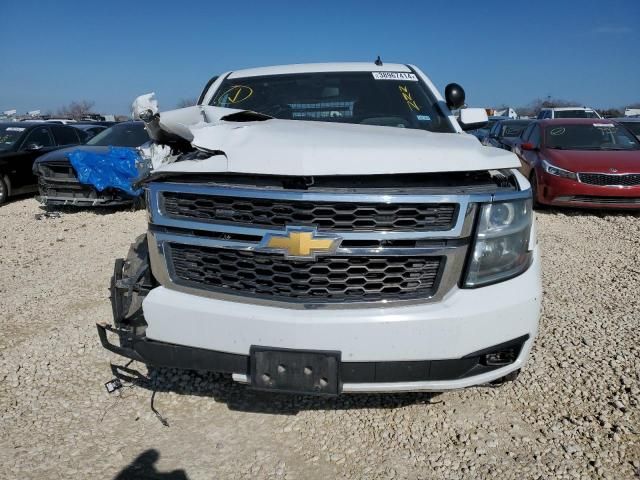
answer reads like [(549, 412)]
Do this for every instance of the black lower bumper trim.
[(160, 354), (177, 356)]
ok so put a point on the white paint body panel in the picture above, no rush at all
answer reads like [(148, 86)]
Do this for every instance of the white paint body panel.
[(294, 147), (467, 320), (319, 68)]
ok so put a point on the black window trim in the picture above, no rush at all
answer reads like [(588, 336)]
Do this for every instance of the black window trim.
[(527, 132), (537, 126), (33, 129)]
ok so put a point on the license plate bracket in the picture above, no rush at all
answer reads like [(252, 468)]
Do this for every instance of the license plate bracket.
[(308, 372)]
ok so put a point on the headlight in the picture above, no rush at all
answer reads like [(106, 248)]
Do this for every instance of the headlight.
[(501, 248), (557, 171)]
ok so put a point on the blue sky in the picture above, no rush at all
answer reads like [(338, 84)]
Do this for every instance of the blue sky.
[(501, 52)]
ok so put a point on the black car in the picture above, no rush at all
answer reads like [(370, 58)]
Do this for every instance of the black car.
[(58, 182), (88, 130), (481, 133), (504, 133), (20, 144)]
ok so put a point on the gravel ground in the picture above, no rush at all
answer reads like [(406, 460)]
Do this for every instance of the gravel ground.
[(573, 413)]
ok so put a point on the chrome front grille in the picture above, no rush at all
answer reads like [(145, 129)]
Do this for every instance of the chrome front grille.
[(611, 180), (342, 216), (326, 279), (213, 241)]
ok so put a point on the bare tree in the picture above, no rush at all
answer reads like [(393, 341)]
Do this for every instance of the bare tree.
[(549, 102), (187, 102), (76, 109), (611, 112)]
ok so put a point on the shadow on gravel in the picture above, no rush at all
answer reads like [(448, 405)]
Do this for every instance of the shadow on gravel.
[(241, 398), (97, 210), (18, 198), (143, 467), (581, 212)]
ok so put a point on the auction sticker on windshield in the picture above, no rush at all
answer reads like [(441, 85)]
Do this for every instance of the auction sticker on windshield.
[(395, 76)]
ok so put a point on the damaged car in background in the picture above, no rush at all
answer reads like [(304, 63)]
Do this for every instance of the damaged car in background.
[(98, 173), (326, 229), (21, 143)]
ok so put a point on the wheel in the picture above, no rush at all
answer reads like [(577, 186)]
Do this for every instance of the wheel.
[(509, 377), (533, 180), (4, 191)]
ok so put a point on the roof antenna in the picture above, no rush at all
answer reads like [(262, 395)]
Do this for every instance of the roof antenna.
[(378, 62)]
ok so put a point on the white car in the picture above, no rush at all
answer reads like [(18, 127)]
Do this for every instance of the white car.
[(330, 228), (568, 112)]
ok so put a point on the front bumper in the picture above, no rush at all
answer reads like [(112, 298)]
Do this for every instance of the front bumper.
[(427, 347), (571, 193), (426, 375), (58, 185)]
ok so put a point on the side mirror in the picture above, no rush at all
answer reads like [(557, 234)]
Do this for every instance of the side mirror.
[(472, 118), (454, 95), (32, 147), (528, 146)]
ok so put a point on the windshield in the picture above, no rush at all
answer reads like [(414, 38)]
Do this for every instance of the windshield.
[(378, 98), (596, 136), (9, 135), (128, 134), (513, 129), (575, 114)]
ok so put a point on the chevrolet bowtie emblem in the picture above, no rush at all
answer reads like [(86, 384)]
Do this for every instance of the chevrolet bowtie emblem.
[(298, 242)]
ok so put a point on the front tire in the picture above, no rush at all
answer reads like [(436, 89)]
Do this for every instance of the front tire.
[(533, 180), (4, 191)]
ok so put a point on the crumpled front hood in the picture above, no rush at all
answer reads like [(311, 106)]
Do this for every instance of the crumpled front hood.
[(305, 148)]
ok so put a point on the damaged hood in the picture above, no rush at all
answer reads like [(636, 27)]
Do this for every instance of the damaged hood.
[(307, 148), (61, 155)]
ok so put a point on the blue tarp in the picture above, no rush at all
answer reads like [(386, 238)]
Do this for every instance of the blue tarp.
[(114, 169)]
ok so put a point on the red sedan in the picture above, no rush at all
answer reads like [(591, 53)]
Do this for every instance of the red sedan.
[(581, 163)]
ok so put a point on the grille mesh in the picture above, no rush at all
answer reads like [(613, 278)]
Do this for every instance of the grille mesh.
[(346, 216), (605, 200), (628, 180), (329, 279)]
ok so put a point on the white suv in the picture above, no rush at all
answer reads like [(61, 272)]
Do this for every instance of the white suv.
[(330, 228), (568, 112)]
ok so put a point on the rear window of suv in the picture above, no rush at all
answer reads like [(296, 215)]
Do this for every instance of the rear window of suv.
[(401, 101), (126, 134), (575, 114)]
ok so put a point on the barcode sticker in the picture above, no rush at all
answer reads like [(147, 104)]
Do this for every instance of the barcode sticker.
[(411, 77)]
